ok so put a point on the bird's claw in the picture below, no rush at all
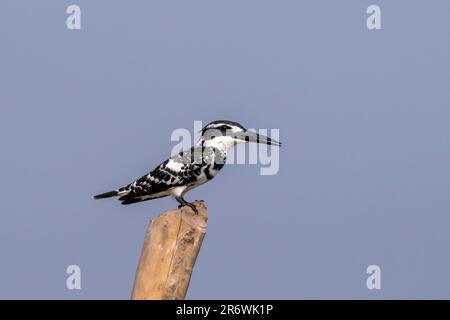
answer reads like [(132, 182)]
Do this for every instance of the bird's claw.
[(191, 205), (185, 203)]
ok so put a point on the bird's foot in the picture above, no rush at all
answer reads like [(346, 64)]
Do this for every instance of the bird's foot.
[(191, 205)]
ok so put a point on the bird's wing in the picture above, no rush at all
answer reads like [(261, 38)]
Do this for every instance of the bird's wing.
[(176, 171)]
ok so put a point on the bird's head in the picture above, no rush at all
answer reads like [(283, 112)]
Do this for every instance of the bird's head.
[(225, 134)]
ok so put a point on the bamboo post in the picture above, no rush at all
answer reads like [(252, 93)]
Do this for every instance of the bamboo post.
[(171, 246)]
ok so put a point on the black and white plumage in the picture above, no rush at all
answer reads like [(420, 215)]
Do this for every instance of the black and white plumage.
[(189, 169)]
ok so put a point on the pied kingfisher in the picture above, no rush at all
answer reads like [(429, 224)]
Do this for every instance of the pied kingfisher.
[(189, 169)]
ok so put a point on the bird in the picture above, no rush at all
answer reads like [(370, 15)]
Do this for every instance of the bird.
[(191, 168)]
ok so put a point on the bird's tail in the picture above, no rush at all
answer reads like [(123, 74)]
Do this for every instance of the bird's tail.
[(107, 194)]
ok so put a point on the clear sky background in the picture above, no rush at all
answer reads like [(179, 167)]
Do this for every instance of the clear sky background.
[(364, 117)]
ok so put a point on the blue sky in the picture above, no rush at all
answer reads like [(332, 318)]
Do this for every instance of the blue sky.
[(363, 117)]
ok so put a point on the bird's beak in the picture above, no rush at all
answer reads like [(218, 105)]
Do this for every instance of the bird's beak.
[(250, 136)]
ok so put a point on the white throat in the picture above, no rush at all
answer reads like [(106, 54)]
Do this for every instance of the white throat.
[(223, 143)]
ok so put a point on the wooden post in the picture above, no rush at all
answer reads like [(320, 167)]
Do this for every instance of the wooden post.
[(168, 255)]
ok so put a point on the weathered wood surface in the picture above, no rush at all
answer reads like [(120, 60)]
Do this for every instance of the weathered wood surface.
[(171, 246)]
